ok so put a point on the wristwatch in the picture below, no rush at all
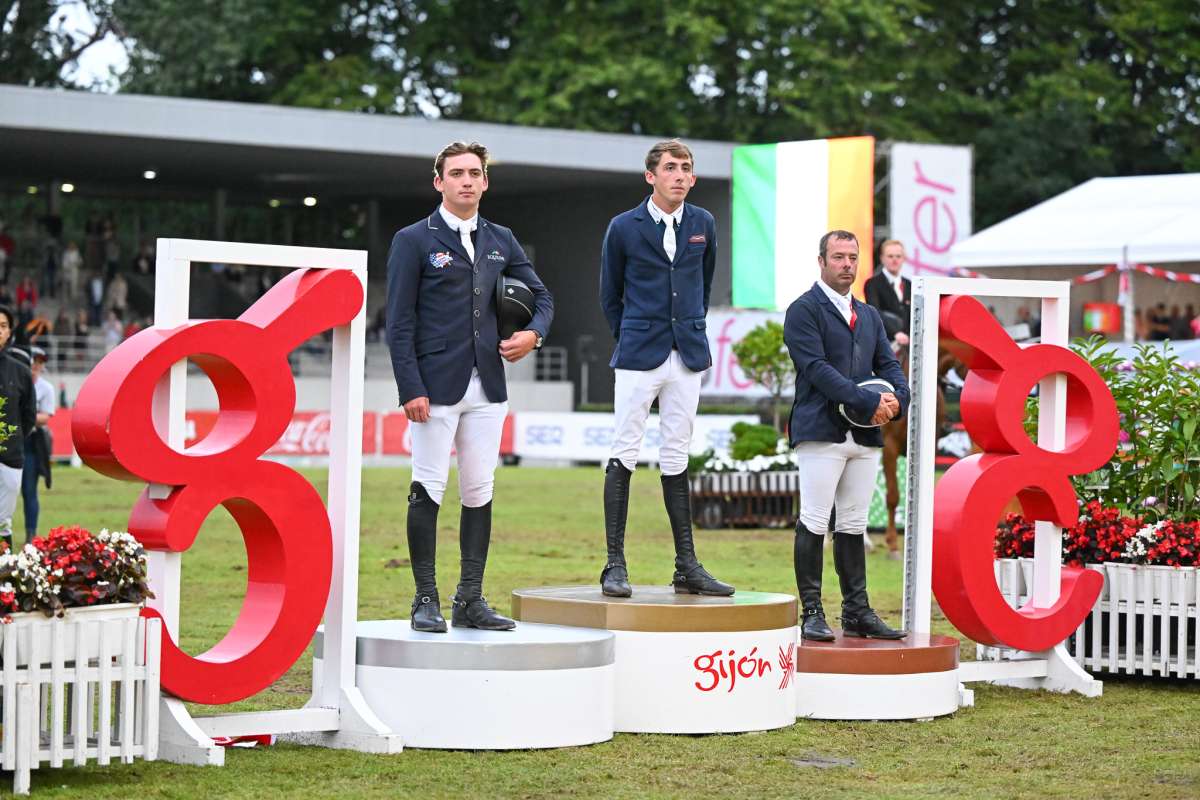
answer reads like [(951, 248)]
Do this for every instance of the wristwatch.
[(537, 344)]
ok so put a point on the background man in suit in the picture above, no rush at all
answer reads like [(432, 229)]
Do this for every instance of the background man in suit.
[(887, 290), (446, 350), (656, 270), (836, 342)]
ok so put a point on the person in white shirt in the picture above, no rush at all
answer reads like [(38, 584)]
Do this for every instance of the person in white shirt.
[(889, 291)]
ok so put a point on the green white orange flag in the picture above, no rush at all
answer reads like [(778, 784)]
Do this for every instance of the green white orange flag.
[(786, 196)]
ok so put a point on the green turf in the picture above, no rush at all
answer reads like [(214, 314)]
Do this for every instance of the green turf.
[(1141, 739)]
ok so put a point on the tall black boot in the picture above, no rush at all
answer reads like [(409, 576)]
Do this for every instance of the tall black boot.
[(808, 558), (614, 578), (858, 619), (690, 576), (422, 549), (470, 610)]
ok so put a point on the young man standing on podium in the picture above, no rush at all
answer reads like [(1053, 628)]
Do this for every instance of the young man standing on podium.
[(656, 271), (836, 343), (446, 350)]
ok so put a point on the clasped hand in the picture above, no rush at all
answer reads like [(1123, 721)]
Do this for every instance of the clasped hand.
[(887, 410)]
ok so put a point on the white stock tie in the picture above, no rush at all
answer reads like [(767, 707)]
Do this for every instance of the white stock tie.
[(669, 237), (464, 233)]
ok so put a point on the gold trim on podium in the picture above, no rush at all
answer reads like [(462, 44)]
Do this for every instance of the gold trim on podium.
[(654, 609)]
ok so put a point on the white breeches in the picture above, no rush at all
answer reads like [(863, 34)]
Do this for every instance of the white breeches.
[(473, 427), (678, 391), (840, 476)]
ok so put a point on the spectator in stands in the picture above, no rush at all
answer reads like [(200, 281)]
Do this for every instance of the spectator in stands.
[(117, 297), (95, 297), (7, 246), (6, 298), (64, 335), (1141, 327), (27, 293), (1180, 327), (143, 262), (82, 333), (114, 330), (1160, 323), (72, 269), (112, 249), (93, 256), (37, 443), (1027, 317), (1193, 321), (131, 328)]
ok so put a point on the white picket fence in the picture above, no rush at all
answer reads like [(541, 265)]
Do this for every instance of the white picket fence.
[(84, 687), (1145, 623)]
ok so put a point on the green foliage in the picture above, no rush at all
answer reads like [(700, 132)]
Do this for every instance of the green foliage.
[(1049, 93), (1156, 470), (764, 359), (753, 440), (38, 46)]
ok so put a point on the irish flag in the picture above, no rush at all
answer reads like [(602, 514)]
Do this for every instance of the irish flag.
[(785, 198)]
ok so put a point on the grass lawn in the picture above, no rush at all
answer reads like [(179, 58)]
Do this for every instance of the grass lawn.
[(1141, 739)]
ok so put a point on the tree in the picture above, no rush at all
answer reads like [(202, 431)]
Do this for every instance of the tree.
[(37, 43), (764, 359)]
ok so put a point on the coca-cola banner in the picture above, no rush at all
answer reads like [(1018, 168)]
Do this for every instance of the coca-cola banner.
[(306, 435), (929, 205)]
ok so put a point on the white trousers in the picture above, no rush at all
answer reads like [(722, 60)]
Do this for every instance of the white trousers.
[(678, 391), (472, 426), (10, 490), (840, 476)]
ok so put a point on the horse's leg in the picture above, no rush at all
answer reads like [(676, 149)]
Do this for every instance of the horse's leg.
[(891, 453)]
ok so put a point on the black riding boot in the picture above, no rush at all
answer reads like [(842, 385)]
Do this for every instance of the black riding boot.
[(690, 576), (614, 578), (470, 610), (422, 548), (858, 619), (808, 558)]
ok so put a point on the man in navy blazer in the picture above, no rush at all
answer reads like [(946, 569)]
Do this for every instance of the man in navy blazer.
[(446, 350), (656, 271), (836, 342)]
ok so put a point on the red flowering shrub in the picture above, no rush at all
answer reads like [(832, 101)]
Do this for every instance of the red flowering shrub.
[(71, 567), (1105, 534)]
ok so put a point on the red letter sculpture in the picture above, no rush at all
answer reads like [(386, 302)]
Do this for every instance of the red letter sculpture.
[(972, 494), (282, 519)]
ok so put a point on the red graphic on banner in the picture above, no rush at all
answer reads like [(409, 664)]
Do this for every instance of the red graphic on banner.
[(787, 664), (720, 668), (971, 496), (282, 519)]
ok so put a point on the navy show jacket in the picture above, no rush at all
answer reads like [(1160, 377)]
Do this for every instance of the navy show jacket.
[(653, 303), (441, 308), (830, 361)]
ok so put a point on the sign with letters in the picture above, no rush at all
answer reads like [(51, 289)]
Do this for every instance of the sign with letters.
[(930, 203)]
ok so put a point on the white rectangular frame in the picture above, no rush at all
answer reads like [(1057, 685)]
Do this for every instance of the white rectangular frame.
[(336, 715), (1060, 673)]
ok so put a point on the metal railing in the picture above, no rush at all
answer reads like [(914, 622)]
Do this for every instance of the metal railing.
[(73, 354)]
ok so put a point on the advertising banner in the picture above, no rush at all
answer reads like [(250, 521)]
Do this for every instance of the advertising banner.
[(930, 203), (589, 437)]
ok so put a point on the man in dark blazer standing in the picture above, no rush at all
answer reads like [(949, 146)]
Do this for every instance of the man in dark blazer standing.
[(446, 351), (836, 342), (888, 290), (656, 271)]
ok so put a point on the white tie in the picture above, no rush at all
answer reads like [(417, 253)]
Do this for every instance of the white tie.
[(669, 237), (464, 233)]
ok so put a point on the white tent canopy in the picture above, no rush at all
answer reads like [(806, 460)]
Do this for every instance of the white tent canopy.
[(1144, 219)]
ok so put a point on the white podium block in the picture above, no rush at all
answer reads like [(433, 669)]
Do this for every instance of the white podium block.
[(685, 663), (869, 679), (537, 686)]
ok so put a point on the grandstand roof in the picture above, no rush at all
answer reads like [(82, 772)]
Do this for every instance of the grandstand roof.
[(86, 136)]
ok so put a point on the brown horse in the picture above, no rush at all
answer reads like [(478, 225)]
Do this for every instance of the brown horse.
[(895, 444)]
